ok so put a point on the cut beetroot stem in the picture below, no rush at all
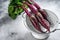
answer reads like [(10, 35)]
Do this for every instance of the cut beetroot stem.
[(27, 12)]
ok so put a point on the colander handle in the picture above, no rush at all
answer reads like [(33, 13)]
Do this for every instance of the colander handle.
[(56, 28)]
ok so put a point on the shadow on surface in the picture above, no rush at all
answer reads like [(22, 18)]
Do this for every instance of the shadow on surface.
[(5, 20)]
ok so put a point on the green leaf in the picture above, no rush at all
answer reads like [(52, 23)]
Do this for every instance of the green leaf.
[(13, 10), (20, 10), (10, 9), (19, 3)]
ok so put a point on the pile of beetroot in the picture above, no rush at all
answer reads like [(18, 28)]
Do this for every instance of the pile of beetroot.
[(37, 15)]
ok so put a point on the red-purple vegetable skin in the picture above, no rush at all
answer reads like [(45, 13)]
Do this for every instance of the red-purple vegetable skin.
[(35, 4), (36, 24), (43, 22), (41, 19), (31, 7), (27, 12), (42, 11), (33, 20)]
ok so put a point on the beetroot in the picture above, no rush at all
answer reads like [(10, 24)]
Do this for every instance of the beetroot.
[(40, 17), (33, 20)]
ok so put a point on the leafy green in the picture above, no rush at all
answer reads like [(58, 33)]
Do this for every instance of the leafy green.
[(12, 10)]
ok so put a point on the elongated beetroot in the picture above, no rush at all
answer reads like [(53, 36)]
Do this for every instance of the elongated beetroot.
[(43, 22), (39, 9), (42, 11), (33, 20), (27, 12), (31, 7), (35, 4), (35, 23), (39, 16)]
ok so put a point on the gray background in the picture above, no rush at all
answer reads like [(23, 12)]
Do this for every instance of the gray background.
[(15, 29)]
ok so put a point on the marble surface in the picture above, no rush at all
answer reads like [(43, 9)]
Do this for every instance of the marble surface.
[(16, 30)]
